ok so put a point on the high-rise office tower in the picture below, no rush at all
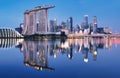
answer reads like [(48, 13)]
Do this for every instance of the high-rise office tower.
[(70, 24), (91, 28), (94, 19), (53, 25), (86, 26), (95, 28), (94, 24), (64, 25)]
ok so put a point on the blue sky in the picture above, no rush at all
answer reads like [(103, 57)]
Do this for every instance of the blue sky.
[(107, 11)]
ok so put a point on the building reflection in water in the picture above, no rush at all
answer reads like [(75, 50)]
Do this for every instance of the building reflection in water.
[(36, 53), (9, 43)]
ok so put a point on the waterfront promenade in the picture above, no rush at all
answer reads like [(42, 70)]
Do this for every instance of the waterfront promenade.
[(69, 36), (9, 33), (93, 36)]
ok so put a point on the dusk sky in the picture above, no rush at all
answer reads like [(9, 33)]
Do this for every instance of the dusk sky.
[(107, 11)]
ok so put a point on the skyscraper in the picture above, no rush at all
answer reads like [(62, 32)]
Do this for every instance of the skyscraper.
[(70, 24), (36, 20), (86, 26), (64, 25), (95, 19), (95, 28), (94, 24), (53, 25), (42, 18), (91, 28)]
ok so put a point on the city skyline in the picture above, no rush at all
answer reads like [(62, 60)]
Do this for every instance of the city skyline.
[(106, 12)]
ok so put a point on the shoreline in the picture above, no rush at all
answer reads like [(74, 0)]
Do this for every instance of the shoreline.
[(70, 36)]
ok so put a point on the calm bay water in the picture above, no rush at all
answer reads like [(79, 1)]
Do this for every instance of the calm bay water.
[(71, 58)]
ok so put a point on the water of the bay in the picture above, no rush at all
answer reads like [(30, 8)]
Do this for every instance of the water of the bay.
[(71, 58)]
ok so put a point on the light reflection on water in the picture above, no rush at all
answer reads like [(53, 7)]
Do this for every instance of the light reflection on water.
[(37, 54)]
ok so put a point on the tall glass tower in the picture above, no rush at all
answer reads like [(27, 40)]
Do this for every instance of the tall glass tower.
[(86, 26), (53, 25), (94, 24), (70, 24)]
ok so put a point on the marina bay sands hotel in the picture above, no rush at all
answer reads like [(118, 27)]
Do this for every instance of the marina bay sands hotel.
[(36, 21)]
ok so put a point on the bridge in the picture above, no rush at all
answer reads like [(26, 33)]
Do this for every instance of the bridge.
[(9, 33)]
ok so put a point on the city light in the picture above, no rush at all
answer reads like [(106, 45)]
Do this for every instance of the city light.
[(86, 60), (65, 45), (95, 52)]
